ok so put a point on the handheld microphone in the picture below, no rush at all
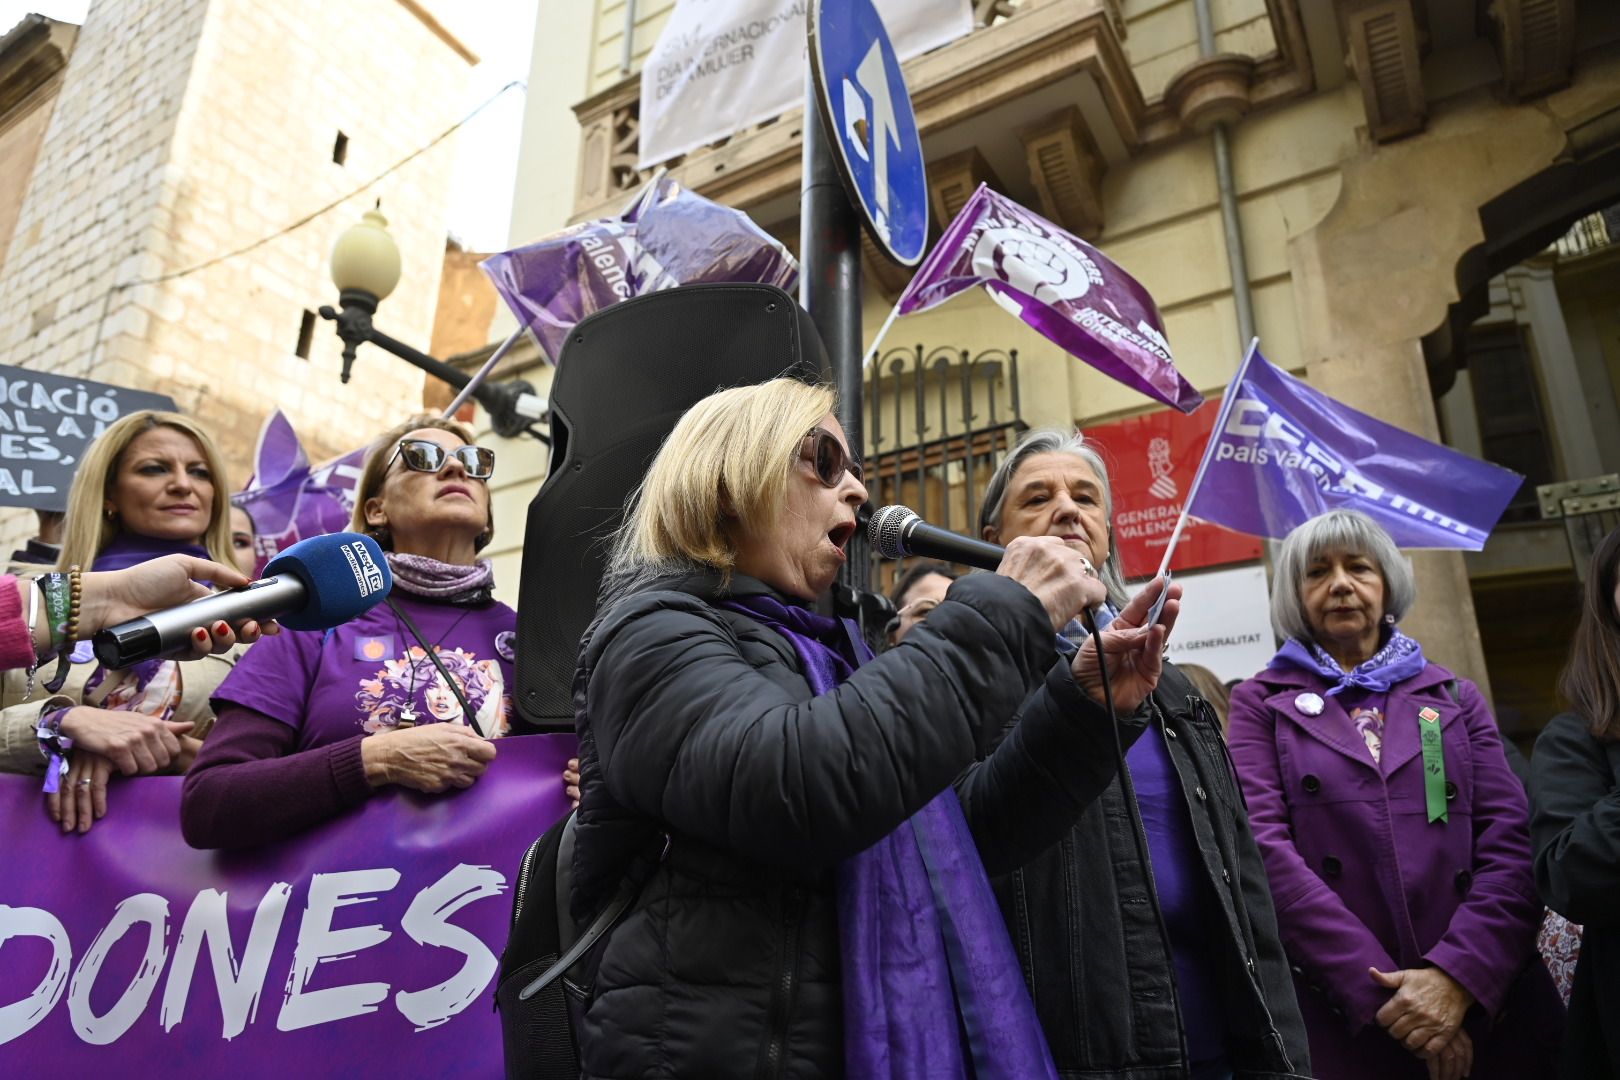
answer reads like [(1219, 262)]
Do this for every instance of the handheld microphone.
[(317, 583), (897, 531)]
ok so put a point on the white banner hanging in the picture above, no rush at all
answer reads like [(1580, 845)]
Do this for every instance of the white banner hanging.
[(721, 66)]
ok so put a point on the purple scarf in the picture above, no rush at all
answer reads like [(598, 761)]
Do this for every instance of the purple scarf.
[(127, 549), (931, 984), (422, 576), (123, 551), (1399, 660)]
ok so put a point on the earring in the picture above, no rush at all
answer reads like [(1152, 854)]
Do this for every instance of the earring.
[(1390, 619), (111, 512)]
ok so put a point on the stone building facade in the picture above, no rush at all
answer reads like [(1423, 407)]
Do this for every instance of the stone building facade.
[(201, 158), (1393, 166)]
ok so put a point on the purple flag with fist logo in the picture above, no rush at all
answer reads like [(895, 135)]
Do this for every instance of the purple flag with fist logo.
[(1061, 286), (1285, 452), (287, 498), (669, 236)]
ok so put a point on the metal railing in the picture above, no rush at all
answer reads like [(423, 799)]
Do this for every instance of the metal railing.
[(938, 423)]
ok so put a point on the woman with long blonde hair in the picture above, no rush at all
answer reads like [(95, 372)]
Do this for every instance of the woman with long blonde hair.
[(152, 484)]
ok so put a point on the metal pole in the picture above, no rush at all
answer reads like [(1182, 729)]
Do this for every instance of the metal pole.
[(830, 288), (628, 54), (1236, 260)]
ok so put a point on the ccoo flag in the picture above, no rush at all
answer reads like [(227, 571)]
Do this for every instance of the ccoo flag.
[(1061, 286), (1285, 452)]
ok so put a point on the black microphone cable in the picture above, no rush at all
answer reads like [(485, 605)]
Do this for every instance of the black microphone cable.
[(893, 533)]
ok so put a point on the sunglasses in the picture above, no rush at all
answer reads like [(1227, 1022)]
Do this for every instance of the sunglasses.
[(420, 455), (823, 450)]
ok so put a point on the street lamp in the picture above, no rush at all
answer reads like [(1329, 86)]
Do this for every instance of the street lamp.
[(365, 269)]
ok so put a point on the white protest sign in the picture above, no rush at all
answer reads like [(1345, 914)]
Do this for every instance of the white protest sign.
[(1225, 621), (724, 65)]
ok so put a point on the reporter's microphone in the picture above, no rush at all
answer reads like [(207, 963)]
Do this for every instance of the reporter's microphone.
[(898, 531), (317, 583)]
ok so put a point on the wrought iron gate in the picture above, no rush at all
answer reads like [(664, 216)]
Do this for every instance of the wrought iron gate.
[(938, 423)]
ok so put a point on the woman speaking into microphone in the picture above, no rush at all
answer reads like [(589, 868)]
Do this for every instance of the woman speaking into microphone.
[(812, 898)]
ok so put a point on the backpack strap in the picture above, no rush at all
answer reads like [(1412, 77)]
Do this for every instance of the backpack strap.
[(567, 929), (605, 920)]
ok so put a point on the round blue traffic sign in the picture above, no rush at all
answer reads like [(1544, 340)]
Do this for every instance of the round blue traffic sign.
[(861, 95)]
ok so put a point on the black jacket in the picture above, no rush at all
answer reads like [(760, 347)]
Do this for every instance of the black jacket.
[(1575, 833), (1090, 941), (696, 724)]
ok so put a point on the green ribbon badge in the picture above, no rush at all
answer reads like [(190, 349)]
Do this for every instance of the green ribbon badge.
[(1434, 764)]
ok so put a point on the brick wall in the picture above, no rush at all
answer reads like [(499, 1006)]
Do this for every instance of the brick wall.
[(189, 129)]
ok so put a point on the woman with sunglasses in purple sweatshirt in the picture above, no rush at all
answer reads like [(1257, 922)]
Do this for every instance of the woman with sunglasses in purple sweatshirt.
[(412, 693)]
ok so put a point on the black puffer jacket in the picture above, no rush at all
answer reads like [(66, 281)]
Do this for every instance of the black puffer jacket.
[(695, 723), (1575, 831)]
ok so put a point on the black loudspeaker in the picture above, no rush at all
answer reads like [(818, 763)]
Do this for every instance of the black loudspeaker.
[(624, 378)]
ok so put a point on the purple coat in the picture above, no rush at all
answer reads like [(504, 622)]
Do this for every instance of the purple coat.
[(1361, 878)]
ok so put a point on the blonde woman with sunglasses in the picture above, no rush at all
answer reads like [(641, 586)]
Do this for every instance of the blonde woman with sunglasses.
[(411, 694), (787, 799)]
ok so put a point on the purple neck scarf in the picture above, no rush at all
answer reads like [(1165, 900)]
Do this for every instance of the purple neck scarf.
[(422, 576), (127, 549), (931, 984), (1399, 660), (123, 551)]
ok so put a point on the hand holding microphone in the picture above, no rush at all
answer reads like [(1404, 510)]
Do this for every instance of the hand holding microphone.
[(1061, 578), (317, 583), (116, 596), (1066, 584)]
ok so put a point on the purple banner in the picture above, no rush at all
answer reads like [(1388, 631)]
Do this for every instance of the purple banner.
[(365, 947), (1067, 290), (288, 500), (1286, 452), (669, 236)]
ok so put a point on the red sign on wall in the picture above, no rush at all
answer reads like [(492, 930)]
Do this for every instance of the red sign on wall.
[(1151, 463)]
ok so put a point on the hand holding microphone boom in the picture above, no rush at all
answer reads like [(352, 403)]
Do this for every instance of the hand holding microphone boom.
[(317, 583), (897, 531)]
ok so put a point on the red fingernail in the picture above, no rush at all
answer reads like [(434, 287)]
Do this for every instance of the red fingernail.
[(200, 634), (220, 628)]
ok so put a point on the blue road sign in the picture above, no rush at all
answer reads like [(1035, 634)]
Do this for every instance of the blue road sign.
[(862, 98)]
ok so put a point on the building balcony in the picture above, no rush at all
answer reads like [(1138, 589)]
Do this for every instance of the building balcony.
[(1042, 95)]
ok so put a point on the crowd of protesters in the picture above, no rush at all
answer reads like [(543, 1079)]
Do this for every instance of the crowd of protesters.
[(1334, 873)]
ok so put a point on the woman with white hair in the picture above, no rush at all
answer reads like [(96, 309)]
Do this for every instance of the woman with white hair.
[(1395, 834), (1151, 951), (814, 900)]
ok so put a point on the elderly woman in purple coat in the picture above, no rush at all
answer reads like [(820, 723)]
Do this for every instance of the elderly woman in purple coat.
[(1395, 836)]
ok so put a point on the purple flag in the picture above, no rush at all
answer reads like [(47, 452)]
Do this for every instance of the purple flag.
[(669, 236), (1066, 289), (287, 499), (365, 947), (1285, 452)]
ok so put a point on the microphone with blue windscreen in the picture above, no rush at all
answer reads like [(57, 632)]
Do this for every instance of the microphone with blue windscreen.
[(316, 584)]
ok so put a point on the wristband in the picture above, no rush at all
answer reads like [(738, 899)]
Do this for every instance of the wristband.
[(54, 746), (74, 594), (57, 592)]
